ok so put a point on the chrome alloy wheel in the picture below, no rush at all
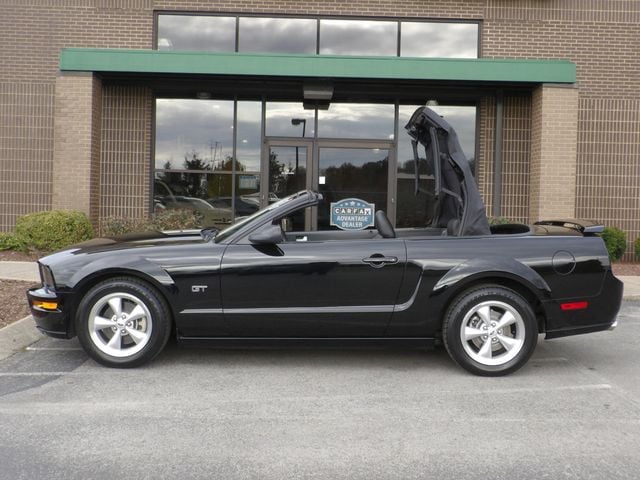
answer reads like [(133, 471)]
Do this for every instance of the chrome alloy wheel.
[(492, 333), (120, 324)]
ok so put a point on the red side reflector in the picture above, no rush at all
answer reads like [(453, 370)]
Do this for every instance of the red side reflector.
[(574, 306)]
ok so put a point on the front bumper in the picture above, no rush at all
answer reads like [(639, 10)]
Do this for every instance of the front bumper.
[(52, 322)]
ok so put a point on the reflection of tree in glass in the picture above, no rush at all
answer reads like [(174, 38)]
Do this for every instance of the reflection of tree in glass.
[(195, 183), (368, 182), (285, 180), (226, 165)]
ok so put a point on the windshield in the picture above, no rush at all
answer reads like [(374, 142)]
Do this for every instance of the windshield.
[(227, 232)]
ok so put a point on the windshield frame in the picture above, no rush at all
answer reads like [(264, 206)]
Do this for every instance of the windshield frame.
[(256, 217)]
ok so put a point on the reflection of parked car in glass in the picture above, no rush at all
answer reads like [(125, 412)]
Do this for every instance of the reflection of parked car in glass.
[(243, 208), (211, 215), (255, 198)]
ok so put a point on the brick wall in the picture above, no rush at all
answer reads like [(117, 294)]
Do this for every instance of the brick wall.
[(26, 149), (76, 171), (125, 161), (552, 169)]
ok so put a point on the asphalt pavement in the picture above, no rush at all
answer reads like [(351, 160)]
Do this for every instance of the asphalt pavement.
[(573, 412)]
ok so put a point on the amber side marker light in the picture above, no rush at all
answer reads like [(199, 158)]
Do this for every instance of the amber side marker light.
[(574, 306), (45, 305)]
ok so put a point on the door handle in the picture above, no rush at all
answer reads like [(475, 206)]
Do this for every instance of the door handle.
[(378, 260)]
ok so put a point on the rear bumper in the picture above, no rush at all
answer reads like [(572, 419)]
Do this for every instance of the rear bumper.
[(601, 314), (54, 323)]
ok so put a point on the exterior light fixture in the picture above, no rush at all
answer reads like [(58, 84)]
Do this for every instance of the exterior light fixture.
[(318, 91)]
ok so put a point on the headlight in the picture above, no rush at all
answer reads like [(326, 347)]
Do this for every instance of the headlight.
[(47, 276)]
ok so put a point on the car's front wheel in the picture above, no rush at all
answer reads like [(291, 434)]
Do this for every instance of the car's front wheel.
[(490, 330), (122, 322)]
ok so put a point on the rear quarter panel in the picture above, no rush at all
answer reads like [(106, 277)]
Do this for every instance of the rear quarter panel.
[(440, 268)]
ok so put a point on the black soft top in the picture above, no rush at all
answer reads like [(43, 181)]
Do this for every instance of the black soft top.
[(459, 206)]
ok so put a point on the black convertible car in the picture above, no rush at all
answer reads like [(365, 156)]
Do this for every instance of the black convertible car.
[(484, 292)]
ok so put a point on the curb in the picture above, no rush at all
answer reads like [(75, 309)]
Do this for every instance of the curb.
[(17, 336)]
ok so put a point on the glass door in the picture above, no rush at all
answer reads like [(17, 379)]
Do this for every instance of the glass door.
[(288, 170), (339, 169), (347, 169)]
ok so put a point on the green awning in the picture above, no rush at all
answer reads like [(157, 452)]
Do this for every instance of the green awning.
[(317, 66)]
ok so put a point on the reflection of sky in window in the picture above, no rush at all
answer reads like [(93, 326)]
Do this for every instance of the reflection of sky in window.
[(358, 37), (279, 116), (462, 119), (186, 32), (278, 35), (249, 135), (336, 157), (452, 40), (356, 120), (184, 126)]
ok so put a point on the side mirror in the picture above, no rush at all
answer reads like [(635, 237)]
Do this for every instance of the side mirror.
[(270, 235)]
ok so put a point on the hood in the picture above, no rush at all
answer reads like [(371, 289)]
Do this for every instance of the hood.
[(151, 253), (133, 241), (458, 204), (127, 246)]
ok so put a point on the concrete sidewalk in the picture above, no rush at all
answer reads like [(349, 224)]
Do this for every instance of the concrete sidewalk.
[(25, 271)]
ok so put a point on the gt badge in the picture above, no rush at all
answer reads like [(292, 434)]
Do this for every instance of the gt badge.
[(198, 288)]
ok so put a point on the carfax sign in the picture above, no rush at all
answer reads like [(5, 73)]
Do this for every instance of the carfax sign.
[(352, 214)]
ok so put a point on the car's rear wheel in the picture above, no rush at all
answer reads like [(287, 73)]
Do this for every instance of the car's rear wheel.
[(490, 330), (122, 322)]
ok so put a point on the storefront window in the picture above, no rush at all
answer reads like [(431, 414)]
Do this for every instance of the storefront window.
[(194, 156), (277, 35), (300, 35), (358, 37), (193, 32), (445, 40)]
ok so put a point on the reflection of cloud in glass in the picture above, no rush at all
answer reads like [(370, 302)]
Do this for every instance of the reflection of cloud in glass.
[(279, 116), (185, 125), (449, 40), (188, 32), (356, 120), (358, 37), (462, 119), (249, 134), (278, 35)]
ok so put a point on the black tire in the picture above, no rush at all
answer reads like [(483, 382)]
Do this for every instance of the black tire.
[(123, 323), (496, 318)]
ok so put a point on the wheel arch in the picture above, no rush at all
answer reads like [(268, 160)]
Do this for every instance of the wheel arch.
[(533, 295), (87, 283)]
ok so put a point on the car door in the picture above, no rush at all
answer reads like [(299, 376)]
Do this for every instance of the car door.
[(306, 288)]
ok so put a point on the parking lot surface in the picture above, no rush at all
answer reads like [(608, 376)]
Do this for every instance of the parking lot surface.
[(572, 412)]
